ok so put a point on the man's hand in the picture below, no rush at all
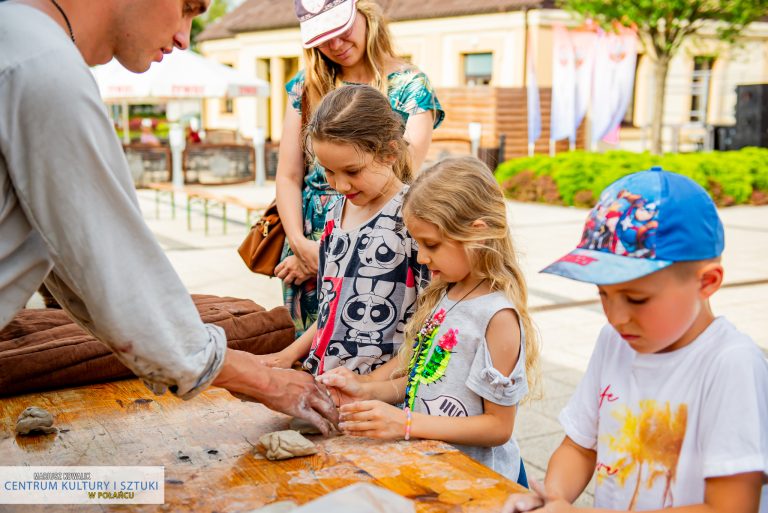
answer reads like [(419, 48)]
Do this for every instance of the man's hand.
[(288, 391)]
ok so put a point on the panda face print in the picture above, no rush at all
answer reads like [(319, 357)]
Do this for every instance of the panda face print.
[(368, 312), (380, 251)]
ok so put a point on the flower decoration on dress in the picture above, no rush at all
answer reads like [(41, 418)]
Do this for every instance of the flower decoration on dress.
[(427, 364), (449, 340)]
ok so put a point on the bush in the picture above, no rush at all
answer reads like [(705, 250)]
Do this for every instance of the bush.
[(578, 177)]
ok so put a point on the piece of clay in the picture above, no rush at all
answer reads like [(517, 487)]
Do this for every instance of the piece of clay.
[(34, 420), (303, 427), (281, 445)]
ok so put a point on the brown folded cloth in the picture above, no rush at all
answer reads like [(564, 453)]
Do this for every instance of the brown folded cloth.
[(43, 349)]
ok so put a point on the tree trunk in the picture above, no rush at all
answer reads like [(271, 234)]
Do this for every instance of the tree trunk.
[(661, 67), (637, 487)]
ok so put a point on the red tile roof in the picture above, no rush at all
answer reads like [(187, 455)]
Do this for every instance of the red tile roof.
[(257, 15)]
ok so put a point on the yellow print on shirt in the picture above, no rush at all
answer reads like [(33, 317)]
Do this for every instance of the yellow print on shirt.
[(648, 445)]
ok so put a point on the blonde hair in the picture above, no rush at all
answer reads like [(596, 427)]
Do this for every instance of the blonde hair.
[(453, 194), (360, 116), (322, 75)]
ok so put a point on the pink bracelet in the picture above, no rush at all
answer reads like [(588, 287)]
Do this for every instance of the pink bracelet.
[(408, 421)]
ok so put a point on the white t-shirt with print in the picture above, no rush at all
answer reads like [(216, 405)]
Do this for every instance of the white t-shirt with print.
[(663, 423)]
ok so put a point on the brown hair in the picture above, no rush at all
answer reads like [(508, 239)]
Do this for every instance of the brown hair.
[(321, 75), (360, 116), (453, 194), (686, 270)]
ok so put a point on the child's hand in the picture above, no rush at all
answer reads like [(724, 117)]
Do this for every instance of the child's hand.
[(520, 502), (283, 359), (538, 501), (344, 385), (374, 419)]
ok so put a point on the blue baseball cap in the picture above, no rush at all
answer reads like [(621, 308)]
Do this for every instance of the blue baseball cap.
[(643, 223)]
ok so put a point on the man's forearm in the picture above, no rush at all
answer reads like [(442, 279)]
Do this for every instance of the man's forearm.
[(236, 368)]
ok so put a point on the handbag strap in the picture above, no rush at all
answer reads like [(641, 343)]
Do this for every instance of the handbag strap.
[(304, 109), (304, 123)]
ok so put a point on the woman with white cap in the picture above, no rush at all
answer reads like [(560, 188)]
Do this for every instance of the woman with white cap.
[(345, 41)]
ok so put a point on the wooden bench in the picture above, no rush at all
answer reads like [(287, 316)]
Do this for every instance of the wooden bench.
[(207, 444), (206, 199)]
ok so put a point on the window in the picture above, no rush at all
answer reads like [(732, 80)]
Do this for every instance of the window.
[(290, 68), (702, 72), (264, 105), (227, 104), (478, 68)]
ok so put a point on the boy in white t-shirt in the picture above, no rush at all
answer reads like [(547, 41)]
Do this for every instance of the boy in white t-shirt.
[(673, 409)]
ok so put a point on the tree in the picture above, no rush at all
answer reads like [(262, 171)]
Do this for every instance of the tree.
[(216, 10), (663, 25)]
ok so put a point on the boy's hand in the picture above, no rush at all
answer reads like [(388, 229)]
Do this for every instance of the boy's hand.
[(344, 385), (373, 419), (537, 502), (520, 502)]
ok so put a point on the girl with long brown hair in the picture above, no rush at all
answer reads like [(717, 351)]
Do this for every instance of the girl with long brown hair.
[(369, 277)]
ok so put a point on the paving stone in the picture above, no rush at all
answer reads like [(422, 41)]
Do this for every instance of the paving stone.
[(532, 423)]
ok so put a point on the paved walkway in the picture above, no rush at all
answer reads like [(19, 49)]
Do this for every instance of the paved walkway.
[(567, 313)]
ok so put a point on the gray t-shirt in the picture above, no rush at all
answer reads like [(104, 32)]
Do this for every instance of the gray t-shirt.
[(471, 377), (68, 211)]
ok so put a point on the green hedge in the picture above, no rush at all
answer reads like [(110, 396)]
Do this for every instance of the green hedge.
[(578, 177)]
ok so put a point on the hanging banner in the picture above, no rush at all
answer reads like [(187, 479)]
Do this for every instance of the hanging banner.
[(563, 104), (625, 55), (532, 91), (584, 46), (614, 77)]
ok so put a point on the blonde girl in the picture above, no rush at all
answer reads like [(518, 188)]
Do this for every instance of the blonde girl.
[(474, 352), (369, 277), (362, 53)]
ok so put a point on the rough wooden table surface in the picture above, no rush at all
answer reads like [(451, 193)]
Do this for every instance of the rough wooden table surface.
[(206, 447)]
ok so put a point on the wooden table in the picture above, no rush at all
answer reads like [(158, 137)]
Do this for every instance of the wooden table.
[(206, 446)]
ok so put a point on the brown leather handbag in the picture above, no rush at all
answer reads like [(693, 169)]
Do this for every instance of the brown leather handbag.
[(263, 245)]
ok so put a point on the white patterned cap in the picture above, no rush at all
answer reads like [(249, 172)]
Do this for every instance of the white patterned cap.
[(322, 20)]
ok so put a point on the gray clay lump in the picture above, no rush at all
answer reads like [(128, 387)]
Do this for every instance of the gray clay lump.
[(35, 420), (281, 445)]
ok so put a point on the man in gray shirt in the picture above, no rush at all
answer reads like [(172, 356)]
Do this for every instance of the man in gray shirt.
[(68, 209)]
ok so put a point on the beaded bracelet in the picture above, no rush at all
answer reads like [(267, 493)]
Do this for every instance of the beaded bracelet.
[(408, 421)]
